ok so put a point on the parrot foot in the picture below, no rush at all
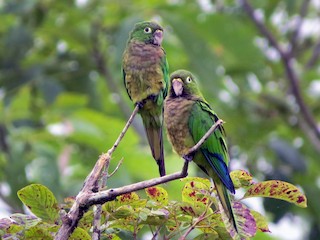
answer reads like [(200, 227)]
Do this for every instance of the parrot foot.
[(141, 104), (188, 157), (153, 97)]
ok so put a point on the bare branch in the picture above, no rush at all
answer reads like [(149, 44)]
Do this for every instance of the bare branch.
[(111, 194), (116, 169), (296, 32), (315, 56), (286, 58), (89, 196), (262, 28)]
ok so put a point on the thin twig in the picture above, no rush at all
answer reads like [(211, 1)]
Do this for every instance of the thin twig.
[(111, 194), (286, 58), (262, 28), (296, 32), (315, 56), (116, 169)]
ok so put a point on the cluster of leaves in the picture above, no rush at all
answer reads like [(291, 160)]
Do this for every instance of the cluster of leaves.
[(197, 213)]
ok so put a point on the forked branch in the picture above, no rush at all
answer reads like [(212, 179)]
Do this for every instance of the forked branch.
[(89, 194)]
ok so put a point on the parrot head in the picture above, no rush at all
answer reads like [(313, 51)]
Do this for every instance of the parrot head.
[(183, 84), (147, 32)]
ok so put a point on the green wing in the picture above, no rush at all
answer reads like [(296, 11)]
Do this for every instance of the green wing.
[(214, 149), (165, 71)]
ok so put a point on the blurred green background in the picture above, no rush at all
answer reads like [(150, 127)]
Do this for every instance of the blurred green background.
[(63, 103)]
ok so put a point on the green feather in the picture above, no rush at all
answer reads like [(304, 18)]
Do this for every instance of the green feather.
[(188, 117), (145, 75)]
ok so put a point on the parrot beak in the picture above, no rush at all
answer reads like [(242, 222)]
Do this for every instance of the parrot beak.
[(177, 85), (157, 37)]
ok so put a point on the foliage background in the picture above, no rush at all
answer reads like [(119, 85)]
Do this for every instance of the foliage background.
[(63, 102)]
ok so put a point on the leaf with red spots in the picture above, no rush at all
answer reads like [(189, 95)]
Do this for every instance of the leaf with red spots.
[(127, 198), (205, 181), (41, 202), (158, 194), (245, 221), (261, 221), (196, 192), (279, 190), (241, 178), (195, 196)]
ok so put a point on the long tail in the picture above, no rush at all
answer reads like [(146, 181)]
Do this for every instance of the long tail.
[(153, 127), (225, 201)]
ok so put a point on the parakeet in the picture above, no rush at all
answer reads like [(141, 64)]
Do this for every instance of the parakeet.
[(146, 77), (188, 117)]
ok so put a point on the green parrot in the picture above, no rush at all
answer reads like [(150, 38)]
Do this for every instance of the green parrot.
[(188, 117), (145, 73)]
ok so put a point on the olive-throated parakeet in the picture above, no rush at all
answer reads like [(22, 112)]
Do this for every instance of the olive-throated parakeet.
[(188, 117), (146, 77)]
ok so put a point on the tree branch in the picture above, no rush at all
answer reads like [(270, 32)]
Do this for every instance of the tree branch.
[(262, 28), (286, 58), (89, 194), (296, 32), (91, 184), (315, 56)]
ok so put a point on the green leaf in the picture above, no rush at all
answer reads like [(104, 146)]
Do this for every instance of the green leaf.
[(207, 236), (79, 234), (123, 212), (38, 232), (241, 178), (41, 202), (279, 190), (156, 217), (157, 194)]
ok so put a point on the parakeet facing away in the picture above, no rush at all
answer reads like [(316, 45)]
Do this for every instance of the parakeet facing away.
[(146, 77), (188, 117)]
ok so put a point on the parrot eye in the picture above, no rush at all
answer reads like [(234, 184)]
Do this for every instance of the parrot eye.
[(189, 80), (147, 30)]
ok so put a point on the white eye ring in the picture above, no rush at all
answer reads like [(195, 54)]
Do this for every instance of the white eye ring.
[(188, 79), (147, 30)]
